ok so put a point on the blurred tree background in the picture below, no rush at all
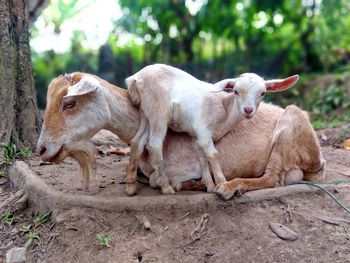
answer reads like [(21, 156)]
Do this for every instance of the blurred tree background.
[(214, 39)]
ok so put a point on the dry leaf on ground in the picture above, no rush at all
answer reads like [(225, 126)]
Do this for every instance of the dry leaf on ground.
[(346, 144), (104, 149)]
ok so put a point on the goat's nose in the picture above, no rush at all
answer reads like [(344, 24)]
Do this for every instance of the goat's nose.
[(41, 149), (248, 110)]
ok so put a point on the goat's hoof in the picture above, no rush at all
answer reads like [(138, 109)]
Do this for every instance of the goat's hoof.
[(131, 189), (168, 190), (222, 191), (152, 182), (238, 193), (210, 187)]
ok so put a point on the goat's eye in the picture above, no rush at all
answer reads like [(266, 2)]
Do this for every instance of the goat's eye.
[(68, 104), (236, 92), (263, 94)]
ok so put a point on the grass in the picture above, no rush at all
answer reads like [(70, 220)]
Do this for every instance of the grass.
[(324, 96), (32, 232), (8, 218), (24, 153), (42, 218), (10, 153), (33, 235), (105, 240)]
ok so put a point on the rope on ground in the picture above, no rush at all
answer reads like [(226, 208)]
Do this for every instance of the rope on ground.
[(338, 181)]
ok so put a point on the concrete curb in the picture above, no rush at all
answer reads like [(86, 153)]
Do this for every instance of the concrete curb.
[(47, 199)]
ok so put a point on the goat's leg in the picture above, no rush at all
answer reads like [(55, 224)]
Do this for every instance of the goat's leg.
[(137, 146), (206, 176), (155, 150), (295, 150), (271, 178), (297, 142), (240, 185), (207, 145)]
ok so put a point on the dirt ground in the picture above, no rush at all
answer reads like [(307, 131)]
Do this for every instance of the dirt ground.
[(230, 233)]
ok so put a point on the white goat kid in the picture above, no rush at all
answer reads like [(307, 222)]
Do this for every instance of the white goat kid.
[(170, 97)]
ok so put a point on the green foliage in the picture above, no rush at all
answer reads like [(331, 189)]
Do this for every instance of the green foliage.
[(60, 11), (8, 218), (330, 99), (220, 39), (324, 96), (105, 240), (10, 153), (48, 65), (261, 36), (24, 153), (42, 218), (33, 235)]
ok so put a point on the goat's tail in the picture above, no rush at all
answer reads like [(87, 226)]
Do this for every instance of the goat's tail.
[(133, 83)]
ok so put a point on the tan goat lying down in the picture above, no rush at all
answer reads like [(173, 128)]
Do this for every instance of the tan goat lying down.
[(170, 97), (258, 153)]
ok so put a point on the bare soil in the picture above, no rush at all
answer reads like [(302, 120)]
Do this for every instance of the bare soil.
[(229, 233)]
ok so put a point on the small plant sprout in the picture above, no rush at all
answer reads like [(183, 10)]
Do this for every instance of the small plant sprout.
[(8, 218), (33, 235), (10, 153), (105, 240), (24, 153), (42, 218)]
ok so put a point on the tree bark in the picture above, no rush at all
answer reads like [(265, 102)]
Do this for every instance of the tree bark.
[(18, 107)]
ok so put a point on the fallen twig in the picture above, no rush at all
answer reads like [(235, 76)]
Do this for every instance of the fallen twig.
[(333, 220), (13, 199), (22, 200), (104, 226), (290, 216), (337, 171), (200, 227), (181, 217), (51, 240), (143, 221), (134, 230)]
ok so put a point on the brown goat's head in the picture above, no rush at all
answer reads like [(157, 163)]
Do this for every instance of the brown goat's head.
[(76, 110)]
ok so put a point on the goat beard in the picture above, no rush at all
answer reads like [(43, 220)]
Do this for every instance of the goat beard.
[(84, 154)]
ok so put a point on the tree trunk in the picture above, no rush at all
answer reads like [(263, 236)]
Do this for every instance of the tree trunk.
[(18, 107)]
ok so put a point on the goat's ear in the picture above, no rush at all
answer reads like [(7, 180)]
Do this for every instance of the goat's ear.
[(275, 85), (86, 85), (225, 85), (132, 84), (73, 78)]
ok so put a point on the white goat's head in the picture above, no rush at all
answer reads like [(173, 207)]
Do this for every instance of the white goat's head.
[(75, 111), (250, 89)]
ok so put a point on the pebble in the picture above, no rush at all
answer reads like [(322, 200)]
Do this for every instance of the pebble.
[(283, 231), (16, 255)]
